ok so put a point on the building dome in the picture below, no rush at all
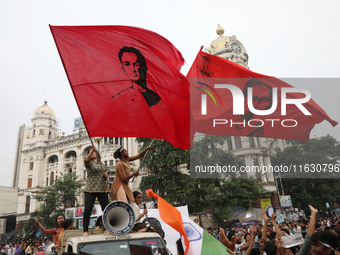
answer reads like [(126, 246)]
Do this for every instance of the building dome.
[(45, 110), (228, 47), (220, 42)]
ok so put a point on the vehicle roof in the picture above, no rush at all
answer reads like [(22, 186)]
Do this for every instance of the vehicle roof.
[(110, 237)]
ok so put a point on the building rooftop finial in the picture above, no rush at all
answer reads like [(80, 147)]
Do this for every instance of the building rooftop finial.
[(219, 30)]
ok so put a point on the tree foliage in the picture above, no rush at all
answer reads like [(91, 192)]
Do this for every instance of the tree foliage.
[(216, 196), (315, 190), (56, 197)]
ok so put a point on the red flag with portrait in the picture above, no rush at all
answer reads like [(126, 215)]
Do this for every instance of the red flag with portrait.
[(229, 99), (126, 81)]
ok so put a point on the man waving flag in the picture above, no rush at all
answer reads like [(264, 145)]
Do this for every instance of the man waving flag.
[(126, 81)]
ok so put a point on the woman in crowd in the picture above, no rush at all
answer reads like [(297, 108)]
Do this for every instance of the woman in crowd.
[(136, 206), (55, 232)]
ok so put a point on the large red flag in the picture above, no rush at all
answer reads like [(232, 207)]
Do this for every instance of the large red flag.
[(126, 82), (228, 99)]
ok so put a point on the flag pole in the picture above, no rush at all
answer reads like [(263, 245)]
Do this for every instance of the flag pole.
[(143, 159)]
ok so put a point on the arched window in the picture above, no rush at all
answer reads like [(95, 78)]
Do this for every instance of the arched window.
[(52, 178), (53, 159), (27, 204), (31, 164), (70, 154)]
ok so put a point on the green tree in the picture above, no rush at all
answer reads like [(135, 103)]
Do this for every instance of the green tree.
[(213, 195), (56, 198), (318, 188), (164, 163)]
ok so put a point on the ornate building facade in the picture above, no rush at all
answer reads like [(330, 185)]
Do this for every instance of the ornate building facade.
[(256, 151), (42, 156)]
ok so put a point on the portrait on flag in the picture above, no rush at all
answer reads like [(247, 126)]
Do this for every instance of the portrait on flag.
[(134, 65), (126, 81)]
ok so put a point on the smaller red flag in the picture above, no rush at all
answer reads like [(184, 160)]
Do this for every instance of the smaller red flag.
[(228, 99)]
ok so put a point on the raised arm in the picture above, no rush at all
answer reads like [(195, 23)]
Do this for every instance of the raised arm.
[(311, 228), (224, 240), (43, 229), (252, 232), (265, 226), (311, 224), (139, 155), (122, 174), (88, 156), (277, 229)]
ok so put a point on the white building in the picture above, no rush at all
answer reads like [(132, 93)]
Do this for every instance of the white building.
[(255, 151), (42, 155), (8, 208)]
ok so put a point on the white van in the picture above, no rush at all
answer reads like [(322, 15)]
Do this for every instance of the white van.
[(99, 243)]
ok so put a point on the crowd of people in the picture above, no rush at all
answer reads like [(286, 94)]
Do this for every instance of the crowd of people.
[(316, 236), (25, 247)]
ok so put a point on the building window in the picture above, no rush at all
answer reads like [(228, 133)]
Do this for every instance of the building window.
[(238, 143), (111, 162), (31, 165), (229, 142), (71, 154), (49, 135), (29, 183), (110, 140), (47, 181), (257, 174), (27, 204), (52, 178), (105, 140), (53, 159), (252, 141), (258, 141), (34, 132), (105, 162)]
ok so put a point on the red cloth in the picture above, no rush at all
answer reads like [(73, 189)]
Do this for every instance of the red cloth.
[(140, 94), (207, 70)]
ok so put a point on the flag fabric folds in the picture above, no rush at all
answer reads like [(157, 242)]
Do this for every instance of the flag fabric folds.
[(126, 81), (195, 240), (256, 115)]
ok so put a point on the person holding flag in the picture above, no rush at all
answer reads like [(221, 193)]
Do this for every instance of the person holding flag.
[(96, 185), (120, 189)]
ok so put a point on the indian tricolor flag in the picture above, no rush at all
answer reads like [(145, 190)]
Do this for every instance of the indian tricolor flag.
[(195, 239)]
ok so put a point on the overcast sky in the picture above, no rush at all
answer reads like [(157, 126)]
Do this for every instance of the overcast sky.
[(286, 39)]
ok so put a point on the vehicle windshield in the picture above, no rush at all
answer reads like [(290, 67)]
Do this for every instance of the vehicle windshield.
[(152, 246)]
